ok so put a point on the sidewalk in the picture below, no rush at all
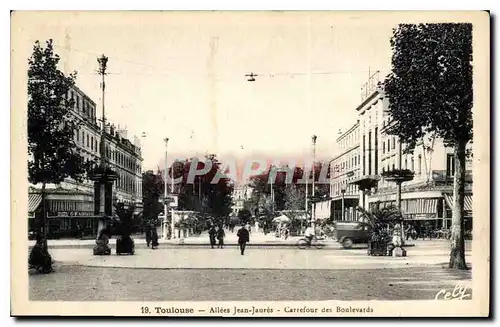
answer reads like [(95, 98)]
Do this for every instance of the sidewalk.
[(256, 239)]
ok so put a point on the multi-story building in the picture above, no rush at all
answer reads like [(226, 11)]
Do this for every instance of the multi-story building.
[(425, 198), (345, 167), (241, 193), (70, 204)]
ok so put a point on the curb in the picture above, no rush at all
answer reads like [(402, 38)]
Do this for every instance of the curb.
[(330, 246)]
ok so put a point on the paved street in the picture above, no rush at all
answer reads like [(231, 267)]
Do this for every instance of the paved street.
[(76, 283), (180, 257), (279, 273)]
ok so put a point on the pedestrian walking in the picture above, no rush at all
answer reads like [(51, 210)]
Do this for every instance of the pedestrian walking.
[(286, 232), (79, 231), (212, 233), (148, 235), (154, 237), (220, 237), (243, 239)]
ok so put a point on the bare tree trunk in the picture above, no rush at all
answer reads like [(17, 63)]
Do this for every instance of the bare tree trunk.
[(457, 254)]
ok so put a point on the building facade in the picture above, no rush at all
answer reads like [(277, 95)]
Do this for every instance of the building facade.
[(70, 204), (241, 193), (345, 167), (427, 198)]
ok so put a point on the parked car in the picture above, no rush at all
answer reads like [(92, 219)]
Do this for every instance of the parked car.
[(350, 233)]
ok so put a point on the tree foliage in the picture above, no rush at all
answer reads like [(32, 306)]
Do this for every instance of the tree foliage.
[(430, 86), (262, 187), (52, 151), (152, 191), (245, 215), (380, 221), (202, 195), (294, 198)]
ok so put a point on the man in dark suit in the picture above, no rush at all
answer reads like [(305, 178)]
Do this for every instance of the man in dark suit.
[(243, 238)]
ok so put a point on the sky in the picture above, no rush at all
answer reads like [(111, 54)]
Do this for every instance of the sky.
[(182, 76)]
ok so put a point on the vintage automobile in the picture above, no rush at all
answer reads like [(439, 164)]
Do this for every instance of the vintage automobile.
[(349, 233)]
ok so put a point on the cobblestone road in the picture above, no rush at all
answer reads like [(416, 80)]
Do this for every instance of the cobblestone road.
[(78, 283)]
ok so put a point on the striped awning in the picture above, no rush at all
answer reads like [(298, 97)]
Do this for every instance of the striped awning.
[(34, 200), (467, 201), (419, 206)]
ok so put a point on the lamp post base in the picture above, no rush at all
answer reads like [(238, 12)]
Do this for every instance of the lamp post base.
[(103, 179)]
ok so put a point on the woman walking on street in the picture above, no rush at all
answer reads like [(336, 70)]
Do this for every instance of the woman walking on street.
[(220, 237), (148, 235), (212, 233)]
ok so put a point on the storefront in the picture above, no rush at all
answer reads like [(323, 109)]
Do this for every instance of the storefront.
[(351, 202), (69, 213), (431, 208), (421, 208)]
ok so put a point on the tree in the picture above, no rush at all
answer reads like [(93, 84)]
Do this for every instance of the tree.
[(203, 195), (261, 186), (430, 92), (53, 156), (245, 215), (152, 190), (294, 198)]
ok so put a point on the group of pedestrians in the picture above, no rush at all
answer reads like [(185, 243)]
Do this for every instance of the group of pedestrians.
[(216, 233)]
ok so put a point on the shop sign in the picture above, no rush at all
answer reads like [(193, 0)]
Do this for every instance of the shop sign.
[(74, 213)]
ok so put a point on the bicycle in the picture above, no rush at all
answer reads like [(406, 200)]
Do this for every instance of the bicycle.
[(316, 242)]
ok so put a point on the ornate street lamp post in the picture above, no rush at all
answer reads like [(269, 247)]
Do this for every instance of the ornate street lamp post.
[(103, 176)]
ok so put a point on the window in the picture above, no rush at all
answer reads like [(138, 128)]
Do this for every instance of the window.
[(419, 164), (83, 137), (450, 164), (92, 143), (412, 164), (78, 103), (369, 152), (406, 163), (393, 143), (383, 147), (77, 135), (88, 140), (388, 145)]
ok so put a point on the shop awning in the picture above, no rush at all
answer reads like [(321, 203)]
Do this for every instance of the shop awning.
[(467, 201), (34, 200), (419, 206), (420, 209)]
